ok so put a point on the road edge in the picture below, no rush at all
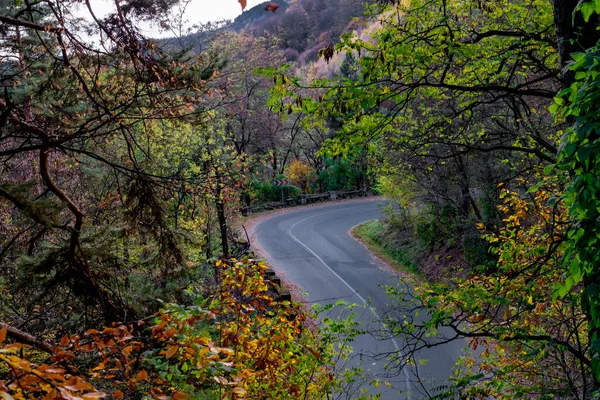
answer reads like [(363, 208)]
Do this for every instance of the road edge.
[(380, 255), (247, 230)]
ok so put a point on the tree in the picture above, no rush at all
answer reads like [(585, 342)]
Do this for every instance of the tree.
[(456, 93), (532, 345), (425, 89), (74, 113), (252, 127), (300, 174), (578, 158), (237, 343), (349, 68)]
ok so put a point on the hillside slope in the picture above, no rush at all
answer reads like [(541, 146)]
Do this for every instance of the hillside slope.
[(303, 26)]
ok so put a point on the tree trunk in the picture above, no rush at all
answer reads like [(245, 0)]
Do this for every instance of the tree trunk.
[(465, 189), (571, 37), (274, 163), (220, 205)]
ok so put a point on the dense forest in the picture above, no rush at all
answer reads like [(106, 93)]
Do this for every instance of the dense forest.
[(126, 163)]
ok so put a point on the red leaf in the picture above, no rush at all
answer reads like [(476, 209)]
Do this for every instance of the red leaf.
[(271, 7), (243, 4), (327, 53)]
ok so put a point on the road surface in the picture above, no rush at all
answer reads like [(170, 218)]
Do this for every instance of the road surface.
[(313, 249)]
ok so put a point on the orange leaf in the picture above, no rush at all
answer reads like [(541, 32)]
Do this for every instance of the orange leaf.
[(243, 4), (171, 332), (127, 350), (171, 351), (2, 335), (77, 385), (117, 394), (65, 394), (180, 396), (99, 367), (142, 375)]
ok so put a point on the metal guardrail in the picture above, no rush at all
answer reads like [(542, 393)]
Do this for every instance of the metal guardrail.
[(304, 199)]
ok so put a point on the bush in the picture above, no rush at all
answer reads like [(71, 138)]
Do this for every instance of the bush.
[(266, 192), (239, 343), (339, 174), (476, 250)]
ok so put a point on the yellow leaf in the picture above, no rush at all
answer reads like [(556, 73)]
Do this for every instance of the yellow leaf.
[(10, 348), (127, 350), (5, 395)]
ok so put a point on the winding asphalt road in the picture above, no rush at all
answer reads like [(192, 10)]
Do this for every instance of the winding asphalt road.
[(313, 249)]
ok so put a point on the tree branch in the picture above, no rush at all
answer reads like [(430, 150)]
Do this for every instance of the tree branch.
[(31, 25), (26, 338)]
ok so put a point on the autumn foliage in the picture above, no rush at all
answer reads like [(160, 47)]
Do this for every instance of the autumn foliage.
[(525, 342), (301, 174), (238, 343)]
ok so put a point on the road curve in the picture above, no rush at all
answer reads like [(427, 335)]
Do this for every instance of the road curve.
[(313, 249)]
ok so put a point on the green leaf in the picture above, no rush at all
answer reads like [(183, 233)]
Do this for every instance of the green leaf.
[(549, 169), (587, 9)]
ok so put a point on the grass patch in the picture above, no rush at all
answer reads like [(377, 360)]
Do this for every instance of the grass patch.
[(403, 257)]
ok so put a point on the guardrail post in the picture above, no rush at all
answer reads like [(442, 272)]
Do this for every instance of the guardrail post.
[(303, 199), (332, 195)]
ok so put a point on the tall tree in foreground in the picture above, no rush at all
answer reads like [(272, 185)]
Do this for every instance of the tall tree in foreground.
[(578, 157), (457, 94), (84, 181)]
